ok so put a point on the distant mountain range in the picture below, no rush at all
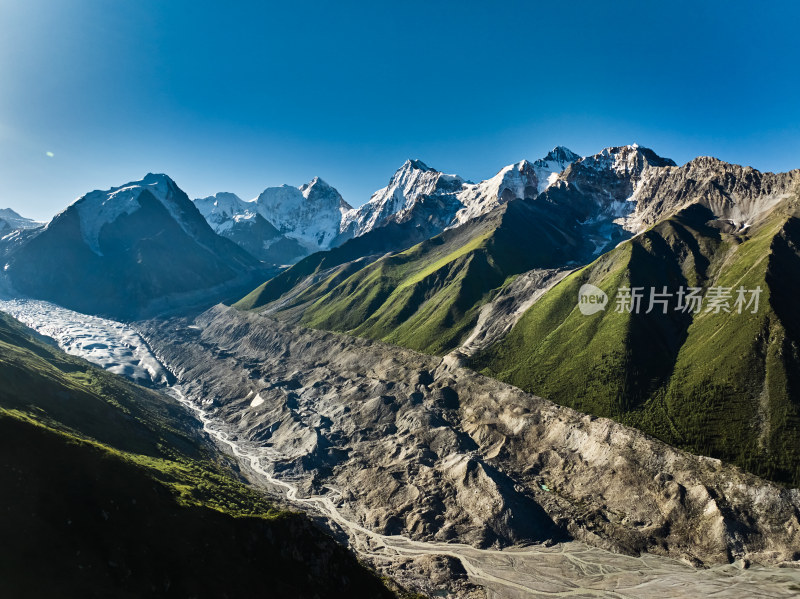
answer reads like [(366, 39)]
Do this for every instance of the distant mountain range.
[(315, 217)]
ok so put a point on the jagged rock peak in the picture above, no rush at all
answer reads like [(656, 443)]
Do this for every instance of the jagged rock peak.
[(561, 154), (317, 190), (625, 159), (413, 163)]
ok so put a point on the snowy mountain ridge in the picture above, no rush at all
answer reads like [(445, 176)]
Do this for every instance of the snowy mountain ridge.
[(411, 182), (98, 208), (14, 220), (223, 210), (459, 200), (310, 214), (316, 217)]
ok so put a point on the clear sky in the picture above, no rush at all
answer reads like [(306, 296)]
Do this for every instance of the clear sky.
[(237, 96)]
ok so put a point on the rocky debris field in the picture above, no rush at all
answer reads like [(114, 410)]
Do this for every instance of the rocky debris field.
[(407, 458), (416, 445)]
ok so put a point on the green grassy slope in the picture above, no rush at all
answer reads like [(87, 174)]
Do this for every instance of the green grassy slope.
[(724, 385), (106, 494), (392, 237), (427, 297)]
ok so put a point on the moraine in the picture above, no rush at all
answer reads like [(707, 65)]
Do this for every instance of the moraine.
[(571, 568)]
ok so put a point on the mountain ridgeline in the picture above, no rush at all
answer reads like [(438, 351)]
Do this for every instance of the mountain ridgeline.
[(315, 217), (426, 297), (721, 383)]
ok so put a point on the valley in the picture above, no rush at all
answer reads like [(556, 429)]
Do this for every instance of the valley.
[(315, 406)]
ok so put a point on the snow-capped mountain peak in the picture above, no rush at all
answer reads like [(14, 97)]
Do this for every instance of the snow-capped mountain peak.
[(605, 188), (98, 208), (129, 250), (315, 183), (223, 209), (409, 184), (307, 218), (520, 180), (560, 155), (625, 160), (311, 214), (318, 190), (416, 164), (551, 166), (15, 221), (223, 203)]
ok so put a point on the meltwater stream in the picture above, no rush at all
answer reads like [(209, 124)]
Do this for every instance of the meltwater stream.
[(566, 569)]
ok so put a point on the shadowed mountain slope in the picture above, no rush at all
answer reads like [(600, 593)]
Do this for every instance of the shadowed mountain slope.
[(109, 490), (715, 381), (127, 252)]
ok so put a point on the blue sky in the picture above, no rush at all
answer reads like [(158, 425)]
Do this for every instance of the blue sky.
[(239, 96)]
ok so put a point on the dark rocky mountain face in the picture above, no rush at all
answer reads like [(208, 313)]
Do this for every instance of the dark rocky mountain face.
[(634, 188), (264, 241), (734, 194), (151, 253)]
